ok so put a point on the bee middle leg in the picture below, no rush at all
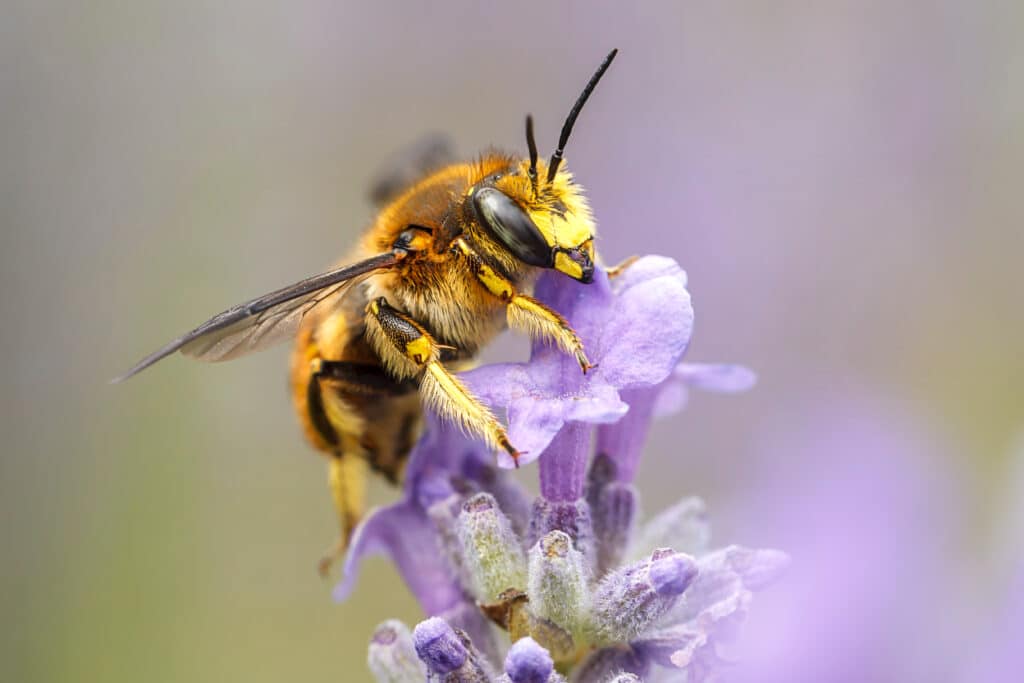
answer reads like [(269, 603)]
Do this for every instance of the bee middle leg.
[(524, 313), (409, 351)]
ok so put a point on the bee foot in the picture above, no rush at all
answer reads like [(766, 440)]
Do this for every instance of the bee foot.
[(585, 365), (326, 562)]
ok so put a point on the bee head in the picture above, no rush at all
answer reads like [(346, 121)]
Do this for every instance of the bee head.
[(549, 226), (548, 234)]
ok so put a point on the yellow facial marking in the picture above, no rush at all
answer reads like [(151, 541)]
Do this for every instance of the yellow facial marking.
[(566, 265), (567, 232)]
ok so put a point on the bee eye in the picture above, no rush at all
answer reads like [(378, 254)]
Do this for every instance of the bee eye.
[(510, 224)]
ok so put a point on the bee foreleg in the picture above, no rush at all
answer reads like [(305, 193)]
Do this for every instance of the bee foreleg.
[(524, 313), (408, 351)]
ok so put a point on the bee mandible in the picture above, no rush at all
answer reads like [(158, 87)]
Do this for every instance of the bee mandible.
[(449, 261)]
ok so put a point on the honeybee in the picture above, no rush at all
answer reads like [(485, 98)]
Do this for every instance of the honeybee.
[(449, 261)]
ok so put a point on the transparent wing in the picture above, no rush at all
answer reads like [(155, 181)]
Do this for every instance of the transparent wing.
[(264, 321), (410, 164)]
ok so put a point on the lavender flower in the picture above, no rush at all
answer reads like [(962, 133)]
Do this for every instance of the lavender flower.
[(555, 581)]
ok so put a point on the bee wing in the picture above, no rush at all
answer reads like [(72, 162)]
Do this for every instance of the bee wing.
[(410, 164), (264, 321)]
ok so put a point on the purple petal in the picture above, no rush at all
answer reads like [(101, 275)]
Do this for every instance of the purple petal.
[(442, 448), (648, 326), (717, 377), (403, 533), (534, 422), (720, 377), (499, 384), (584, 306)]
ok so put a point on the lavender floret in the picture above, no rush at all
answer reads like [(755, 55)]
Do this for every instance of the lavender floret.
[(550, 572)]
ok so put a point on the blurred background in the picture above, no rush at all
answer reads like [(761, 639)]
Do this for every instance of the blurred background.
[(841, 180)]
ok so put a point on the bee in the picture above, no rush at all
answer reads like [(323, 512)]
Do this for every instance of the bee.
[(449, 262)]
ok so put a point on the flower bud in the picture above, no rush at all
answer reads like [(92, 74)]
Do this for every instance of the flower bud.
[(528, 662), (558, 582), (392, 657), (438, 646), (491, 552), (572, 517), (465, 616), (629, 600), (448, 654), (613, 512)]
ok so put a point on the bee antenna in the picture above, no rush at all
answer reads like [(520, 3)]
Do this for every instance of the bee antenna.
[(570, 120), (532, 144)]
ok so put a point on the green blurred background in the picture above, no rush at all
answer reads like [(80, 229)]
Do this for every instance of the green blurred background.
[(842, 182)]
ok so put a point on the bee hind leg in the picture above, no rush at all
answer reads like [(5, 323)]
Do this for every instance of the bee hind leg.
[(346, 478), (346, 470), (409, 351)]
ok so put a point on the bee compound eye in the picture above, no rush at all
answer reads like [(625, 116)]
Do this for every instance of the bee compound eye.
[(507, 221)]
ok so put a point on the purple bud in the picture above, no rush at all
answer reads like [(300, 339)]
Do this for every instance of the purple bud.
[(438, 646), (528, 662), (614, 513), (466, 616), (449, 654), (392, 657), (603, 471), (671, 574), (629, 600), (571, 517)]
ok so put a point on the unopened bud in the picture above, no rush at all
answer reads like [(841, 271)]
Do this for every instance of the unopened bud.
[(629, 600), (528, 662), (572, 517), (614, 514), (448, 654), (491, 553), (392, 657), (558, 582)]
